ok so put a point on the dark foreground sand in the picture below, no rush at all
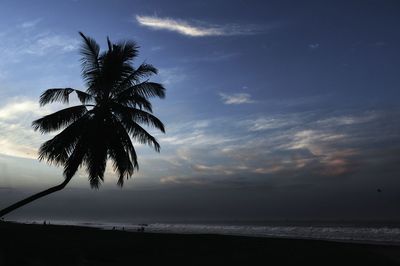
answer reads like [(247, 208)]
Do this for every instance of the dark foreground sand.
[(66, 245)]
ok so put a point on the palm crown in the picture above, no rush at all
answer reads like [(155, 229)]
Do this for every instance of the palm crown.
[(113, 107)]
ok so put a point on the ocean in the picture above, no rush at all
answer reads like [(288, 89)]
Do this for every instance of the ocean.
[(359, 232)]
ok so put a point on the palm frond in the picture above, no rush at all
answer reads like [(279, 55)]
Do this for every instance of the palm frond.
[(84, 97), (148, 119), (58, 149), (55, 152), (90, 60), (128, 50), (110, 45), (138, 133), (139, 116), (136, 100), (122, 153), (75, 159), (116, 65), (59, 119), (62, 95), (145, 89), (141, 135), (55, 95), (149, 89), (95, 161), (143, 71), (90, 49)]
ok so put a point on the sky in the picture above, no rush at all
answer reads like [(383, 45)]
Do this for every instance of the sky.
[(275, 110)]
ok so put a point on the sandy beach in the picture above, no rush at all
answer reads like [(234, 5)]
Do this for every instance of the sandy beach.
[(23, 244)]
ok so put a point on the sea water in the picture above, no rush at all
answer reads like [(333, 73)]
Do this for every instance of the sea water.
[(376, 233), (320, 232)]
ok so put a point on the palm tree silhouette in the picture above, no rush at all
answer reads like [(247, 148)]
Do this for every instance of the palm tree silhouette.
[(112, 108)]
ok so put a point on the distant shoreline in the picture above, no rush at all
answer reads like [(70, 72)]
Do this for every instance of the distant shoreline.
[(27, 244), (340, 232)]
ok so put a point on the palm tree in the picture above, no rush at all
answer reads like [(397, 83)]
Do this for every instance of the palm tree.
[(113, 107)]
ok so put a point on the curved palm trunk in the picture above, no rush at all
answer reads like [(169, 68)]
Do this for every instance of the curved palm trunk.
[(34, 197)]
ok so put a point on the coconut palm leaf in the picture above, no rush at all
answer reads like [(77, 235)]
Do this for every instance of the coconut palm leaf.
[(62, 95), (139, 133), (90, 59), (145, 89), (137, 101), (55, 95), (84, 97), (122, 153), (143, 71), (138, 116), (59, 119), (60, 147)]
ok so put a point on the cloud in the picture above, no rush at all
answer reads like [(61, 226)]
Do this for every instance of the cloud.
[(312, 138), (313, 46), (172, 76), (349, 119), (14, 149), (156, 48), (291, 147), (17, 44), (185, 28), (267, 123), (236, 98), (55, 43), (219, 169), (182, 180), (29, 24), (14, 110), (17, 137), (197, 133), (179, 26), (196, 137), (268, 170)]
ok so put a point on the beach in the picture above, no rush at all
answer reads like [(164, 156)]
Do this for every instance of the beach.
[(37, 244)]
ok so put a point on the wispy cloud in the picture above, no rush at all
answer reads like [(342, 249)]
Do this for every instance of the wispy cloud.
[(313, 140), (195, 29), (236, 98), (349, 119), (29, 24), (313, 46), (266, 123), (172, 76), (266, 147), (182, 180), (48, 43), (17, 44)]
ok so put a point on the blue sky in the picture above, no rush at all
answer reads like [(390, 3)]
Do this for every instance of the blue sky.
[(267, 101)]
